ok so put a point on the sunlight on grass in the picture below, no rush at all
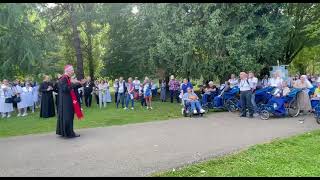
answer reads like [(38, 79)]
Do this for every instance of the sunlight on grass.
[(295, 156)]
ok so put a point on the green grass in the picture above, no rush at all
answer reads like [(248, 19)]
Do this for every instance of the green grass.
[(94, 117), (294, 156)]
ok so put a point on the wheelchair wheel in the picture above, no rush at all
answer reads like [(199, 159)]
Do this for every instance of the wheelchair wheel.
[(264, 115), (318, 119), (293, 109), (231, 105), (206, 108)]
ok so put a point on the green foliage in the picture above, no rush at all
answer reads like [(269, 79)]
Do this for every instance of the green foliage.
[(206, 40)]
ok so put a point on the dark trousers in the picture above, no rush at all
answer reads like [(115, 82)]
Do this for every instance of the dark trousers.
[(88, 99), (173, 94), (97, 98), (115, 97), (143, 101), (245, 100)]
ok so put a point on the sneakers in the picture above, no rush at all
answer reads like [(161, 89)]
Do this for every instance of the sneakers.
[(125, 108), (19, 115), (24, 114), (195, 112), (202, 111), (150, 107), (132, 108), (147, 107), (182, 111), (9, 115), (3, 116)]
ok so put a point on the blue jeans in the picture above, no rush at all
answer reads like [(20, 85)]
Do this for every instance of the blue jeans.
[(195, 105), (205, 98), (128, 99), (245, 99), (120, 98), (253, 101)]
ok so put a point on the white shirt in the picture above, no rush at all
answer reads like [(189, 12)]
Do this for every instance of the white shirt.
[(253, 82), (233, 82), (136, 84), (244, 85), (121, 89), (276, 82)]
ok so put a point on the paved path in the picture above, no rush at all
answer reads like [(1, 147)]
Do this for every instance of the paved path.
[(140, 149)]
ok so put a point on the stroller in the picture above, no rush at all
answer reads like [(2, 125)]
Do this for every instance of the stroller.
[(228, 101), (281, 106)]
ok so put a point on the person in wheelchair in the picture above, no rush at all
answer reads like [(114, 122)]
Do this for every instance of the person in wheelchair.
[(218, 100), (315, 98), (191, 100), (285, 89), (209, 93)]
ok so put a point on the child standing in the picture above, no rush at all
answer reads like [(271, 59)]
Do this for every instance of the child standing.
[(147, 92)]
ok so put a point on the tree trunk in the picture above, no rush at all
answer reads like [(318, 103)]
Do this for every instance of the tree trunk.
[(90, 56), (76, 43), (89, 7)]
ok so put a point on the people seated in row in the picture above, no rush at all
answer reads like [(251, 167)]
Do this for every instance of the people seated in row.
[(192, 99)]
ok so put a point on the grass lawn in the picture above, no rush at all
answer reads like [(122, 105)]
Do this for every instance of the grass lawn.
[(294, 156), (94, 117)]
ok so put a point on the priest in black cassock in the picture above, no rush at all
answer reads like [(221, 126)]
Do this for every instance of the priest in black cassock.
[(47, 104), (68, 104)]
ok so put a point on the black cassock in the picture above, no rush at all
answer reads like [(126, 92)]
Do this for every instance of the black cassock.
[(55, 89), (47, 104), (65, 110)]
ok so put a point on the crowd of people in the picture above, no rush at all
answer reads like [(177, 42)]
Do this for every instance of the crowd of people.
[(27, 96), (248, 85)]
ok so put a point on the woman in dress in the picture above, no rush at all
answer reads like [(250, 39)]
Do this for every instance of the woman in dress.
[(27, 98), (303, 98), (102, 92), (47, 104), (107, 89), (5, 92), (147, 92), (35, 92), (163, 91)]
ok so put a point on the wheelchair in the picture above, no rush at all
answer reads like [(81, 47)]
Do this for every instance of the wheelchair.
[(187, 112)]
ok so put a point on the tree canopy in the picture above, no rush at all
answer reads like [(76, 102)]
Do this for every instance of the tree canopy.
[(185, 39)]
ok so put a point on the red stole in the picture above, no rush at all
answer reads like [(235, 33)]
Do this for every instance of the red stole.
[(76, 105)]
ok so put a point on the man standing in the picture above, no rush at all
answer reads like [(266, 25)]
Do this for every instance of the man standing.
[(122, 89), (68, 105), (245, 95), (253, 85), (88, 88)]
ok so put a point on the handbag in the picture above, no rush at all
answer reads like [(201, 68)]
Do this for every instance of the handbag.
[(16, 99), (8, 100)]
